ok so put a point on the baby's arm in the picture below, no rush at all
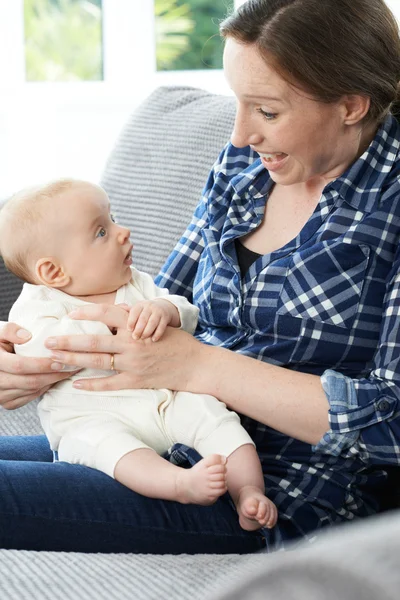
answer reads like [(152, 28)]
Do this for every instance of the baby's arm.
[(176, 310)]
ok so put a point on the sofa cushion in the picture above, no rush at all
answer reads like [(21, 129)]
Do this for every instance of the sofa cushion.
[(157, 170)]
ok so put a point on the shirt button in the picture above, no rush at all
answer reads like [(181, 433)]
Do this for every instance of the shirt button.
[(383, 405)]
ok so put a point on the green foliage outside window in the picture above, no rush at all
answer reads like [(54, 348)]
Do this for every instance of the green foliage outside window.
[(63, 40), (187, 33)]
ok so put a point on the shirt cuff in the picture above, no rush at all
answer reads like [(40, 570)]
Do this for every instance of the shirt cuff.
[(355, 405), (341, 394)]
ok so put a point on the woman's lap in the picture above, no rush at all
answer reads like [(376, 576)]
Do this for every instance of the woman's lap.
[(58, 506)]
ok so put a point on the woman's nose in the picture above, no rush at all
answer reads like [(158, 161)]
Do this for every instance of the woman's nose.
[(245, 131)]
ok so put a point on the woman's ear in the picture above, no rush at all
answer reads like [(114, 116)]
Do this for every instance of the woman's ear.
[(49, 272), (355, 107)]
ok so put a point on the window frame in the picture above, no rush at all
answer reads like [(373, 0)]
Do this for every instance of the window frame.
[(123, 35)]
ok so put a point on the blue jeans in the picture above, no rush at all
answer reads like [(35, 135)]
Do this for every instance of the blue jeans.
[(58, 506)]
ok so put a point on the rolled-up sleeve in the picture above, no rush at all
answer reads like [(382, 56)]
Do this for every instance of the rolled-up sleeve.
[(364, 413)]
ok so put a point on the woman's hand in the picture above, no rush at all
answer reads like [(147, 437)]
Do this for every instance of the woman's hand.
[(23, 379), (167, 363)]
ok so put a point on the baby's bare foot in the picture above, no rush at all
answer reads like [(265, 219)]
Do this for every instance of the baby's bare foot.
[(255, 509), (204, 483)]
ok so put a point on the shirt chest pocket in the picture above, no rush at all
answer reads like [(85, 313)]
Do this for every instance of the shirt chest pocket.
[(324, 283)]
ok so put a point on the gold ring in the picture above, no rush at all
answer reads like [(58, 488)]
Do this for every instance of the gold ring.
[(112, 362)]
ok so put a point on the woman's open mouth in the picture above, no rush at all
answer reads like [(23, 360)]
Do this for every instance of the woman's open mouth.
[(273, 161)]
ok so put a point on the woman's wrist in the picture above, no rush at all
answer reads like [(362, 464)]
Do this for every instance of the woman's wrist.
[(208, 369)]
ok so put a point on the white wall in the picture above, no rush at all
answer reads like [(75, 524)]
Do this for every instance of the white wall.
[(70, 130)]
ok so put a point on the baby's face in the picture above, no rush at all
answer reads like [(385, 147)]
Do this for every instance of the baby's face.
[(93, 250)]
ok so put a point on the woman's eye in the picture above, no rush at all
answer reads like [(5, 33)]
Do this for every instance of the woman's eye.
[(267, 115), (102, 232)]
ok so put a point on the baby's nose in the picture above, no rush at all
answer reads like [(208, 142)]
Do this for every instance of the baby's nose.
[(123, 234)]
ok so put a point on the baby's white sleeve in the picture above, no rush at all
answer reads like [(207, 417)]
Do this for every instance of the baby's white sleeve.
[(188, 313), (45, 318)]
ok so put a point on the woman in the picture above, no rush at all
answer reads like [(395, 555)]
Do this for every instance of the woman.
[(292, 261)]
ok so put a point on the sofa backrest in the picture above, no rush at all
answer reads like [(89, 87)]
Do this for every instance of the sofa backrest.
[(156, 173)]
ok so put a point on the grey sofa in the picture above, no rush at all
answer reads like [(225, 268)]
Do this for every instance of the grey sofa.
[(154, 177)]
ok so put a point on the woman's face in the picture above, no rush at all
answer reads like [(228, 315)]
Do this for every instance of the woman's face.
[(298, 138)]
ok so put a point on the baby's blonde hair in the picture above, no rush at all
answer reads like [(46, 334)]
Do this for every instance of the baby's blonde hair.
[(21, 224)]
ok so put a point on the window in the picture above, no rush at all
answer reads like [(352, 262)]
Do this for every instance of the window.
[(74, 70), (63, 40), (187, 34)]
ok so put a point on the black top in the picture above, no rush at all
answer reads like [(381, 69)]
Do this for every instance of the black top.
[(245, 257)]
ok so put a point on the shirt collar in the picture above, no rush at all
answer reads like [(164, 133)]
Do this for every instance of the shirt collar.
[(359, 185)]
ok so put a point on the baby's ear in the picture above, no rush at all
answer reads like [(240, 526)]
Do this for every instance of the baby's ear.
[(49, 272)]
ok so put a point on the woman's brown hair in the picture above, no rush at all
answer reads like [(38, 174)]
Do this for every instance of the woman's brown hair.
[(329, 48)]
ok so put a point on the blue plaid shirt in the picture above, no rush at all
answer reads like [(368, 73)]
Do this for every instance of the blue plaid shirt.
[(327, 303)]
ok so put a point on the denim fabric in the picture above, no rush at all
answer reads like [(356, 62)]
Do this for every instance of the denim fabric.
[(58, 506)]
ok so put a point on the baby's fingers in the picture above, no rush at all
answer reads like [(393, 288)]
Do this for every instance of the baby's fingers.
[(159, 332), (142, 323), (134, 315), (154, 322)]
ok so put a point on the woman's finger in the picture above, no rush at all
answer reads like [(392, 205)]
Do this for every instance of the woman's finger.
[(111, 315), (62, 346), (31, 383), (18, 402), (13, 333), (22, 365), (87, 360), (120, 381)]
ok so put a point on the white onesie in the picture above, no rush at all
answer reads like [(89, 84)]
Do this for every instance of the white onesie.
[(97, 428)]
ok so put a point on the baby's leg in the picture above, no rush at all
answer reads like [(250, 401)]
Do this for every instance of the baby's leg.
[(246, 486), (204, 423), (147, 473), (108, 445)]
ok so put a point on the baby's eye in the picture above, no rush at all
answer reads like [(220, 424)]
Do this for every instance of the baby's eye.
[(102, 232), (113, 218)]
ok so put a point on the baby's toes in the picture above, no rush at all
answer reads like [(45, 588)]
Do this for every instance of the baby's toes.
[(263, 512), (273, 517), (214, 462), (218, 470), (218, 486), (215, 477), (250, 508)]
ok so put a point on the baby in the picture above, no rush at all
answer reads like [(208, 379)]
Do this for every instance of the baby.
[(62, 240)]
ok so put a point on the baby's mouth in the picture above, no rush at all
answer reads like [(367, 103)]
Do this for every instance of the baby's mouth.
[(128, 257)]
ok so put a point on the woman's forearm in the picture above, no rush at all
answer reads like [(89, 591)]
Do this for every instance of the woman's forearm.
[(288, 401)]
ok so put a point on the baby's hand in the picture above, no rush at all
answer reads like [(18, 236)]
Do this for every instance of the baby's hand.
[(150, 318)]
